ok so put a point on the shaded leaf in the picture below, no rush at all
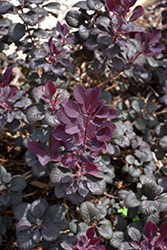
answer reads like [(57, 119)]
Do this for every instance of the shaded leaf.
[(105, 231), (38, 208), (18, 183), (21, 209), (121, 223), (73, 18), (117, 239), (5, 6), (94, 4), (35, 112), (52, 5), (88, 211), (30, 18), (151, 189), (50, 232), (134, 233), (131, 200), (25, 240), (16, 31)]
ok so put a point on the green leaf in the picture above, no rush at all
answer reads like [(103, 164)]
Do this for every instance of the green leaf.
[(123, 212), (136, 218)]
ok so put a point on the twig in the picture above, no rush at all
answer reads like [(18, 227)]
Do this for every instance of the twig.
[(111, 196)]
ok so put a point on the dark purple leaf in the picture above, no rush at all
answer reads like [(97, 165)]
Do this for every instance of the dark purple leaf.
[(72, 128), (70, 160), (111, 51), (151, 189), (72, 109), (118, 64), (80, 94), (16, 31), (8, 75), (50, 232), (50, 88), (137, 12), (96, 187), (90, 233), (30, 18), (71, 188), (35, 148), (150, 210), (36, 1), (104, 37), (55, 157), (134, 233), (90, 168), (60, 134), (105, 231), (82, 189), (18, 183), (62, 117), (117, 238), (38, 208), (52, 5), (94, 4), (20, 210), (88, 211), (25, 240), (114, 5), (154, 50), (73, 18), (35, 112), (150, 230), (5, 6), (83, 32), (131, 200), (40, 33), (153, 37), (99, 64), (23, 224), (81, 4)]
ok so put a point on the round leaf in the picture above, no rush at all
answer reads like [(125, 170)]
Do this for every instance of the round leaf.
[(18, 183), (50, 232), (94, 4), (38, 208), (131, 200), (30, 18), (88, 211), (105, 231)]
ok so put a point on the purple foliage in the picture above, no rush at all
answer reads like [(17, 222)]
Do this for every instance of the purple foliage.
[(151, 239), (45, 154), (64, 35), (52, 56), (84, 130), (8, 76), (10, 102), (88, 241), (50, 95), (85, 122), (150, 42), (119, 7), (38, 221)]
